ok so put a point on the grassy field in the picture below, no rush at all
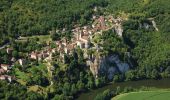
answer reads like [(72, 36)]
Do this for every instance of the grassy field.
[(42, 38), (144, 95), (41, 67), (22, 77)]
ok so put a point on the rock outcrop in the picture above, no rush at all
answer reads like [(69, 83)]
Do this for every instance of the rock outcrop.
[(119, 30), (149, 24), (109, 66)]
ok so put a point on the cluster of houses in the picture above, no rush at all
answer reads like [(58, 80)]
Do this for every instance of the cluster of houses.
[(83, 35), (82, 38), (35, 55), (4, 69), (41, 55)]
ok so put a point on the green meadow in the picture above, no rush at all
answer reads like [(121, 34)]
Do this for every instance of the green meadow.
[(144, 95)]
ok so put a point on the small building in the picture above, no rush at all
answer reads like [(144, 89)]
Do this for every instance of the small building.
[(13, 59), (54, 50), (40, 56), (44, 55), (48, 43), (2, 71), (49, 50), (5, 67), (9, 50), (6, 77), (95, 8), (59, 44), (22, 62), (69, 48), (33, 55), (64, 42), (94, 17), (102, 22), (80, 44), (2, 77)]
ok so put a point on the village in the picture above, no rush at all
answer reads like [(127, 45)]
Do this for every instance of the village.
[(84, 49), (82, 38)]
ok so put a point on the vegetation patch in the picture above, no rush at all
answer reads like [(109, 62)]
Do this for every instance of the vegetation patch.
[(144, 95), (39, 38)]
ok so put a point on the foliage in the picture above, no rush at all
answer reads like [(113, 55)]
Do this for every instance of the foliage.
[(106, 95), (17, 92), (20, 17)]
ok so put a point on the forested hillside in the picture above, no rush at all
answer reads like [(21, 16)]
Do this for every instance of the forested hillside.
[(149, 48), (145, 39), (32, 17), (141, 9)]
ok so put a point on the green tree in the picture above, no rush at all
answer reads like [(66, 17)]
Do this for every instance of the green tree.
[(80, 85), (73, 89), (15, 54), (34, 96), (66, 88), (155, 74)]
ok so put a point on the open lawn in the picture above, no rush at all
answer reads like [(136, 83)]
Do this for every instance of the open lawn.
[(41, 67), (144, 95), (22, 76), (42, 38)]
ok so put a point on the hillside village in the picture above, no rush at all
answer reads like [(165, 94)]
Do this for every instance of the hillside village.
[(83, 37), (75, 49)]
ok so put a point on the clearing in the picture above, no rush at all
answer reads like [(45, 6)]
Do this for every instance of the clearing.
[(144, 95), (41, 38)]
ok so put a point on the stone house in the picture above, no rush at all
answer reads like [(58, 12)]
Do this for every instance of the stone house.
[(5, 67), (69, 48), (34, 55), (22, 62), (84, 39), (9, 50), (6, 77), (2, 71)]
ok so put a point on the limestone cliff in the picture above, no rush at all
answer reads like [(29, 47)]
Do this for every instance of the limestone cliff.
[(109, 66)]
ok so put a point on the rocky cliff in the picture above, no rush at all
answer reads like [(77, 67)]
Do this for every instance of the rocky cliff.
[(109, 66)]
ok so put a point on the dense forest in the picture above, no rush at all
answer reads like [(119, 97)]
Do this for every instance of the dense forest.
[(17, 92), (149, 49), (20, 17)]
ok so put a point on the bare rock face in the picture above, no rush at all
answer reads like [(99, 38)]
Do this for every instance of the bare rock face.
[(111, 71), (150, 24), (119, 30), (123, 67), (107, 65)]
